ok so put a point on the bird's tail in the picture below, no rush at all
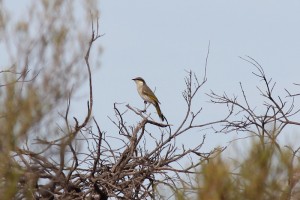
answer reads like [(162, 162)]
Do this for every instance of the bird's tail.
[(161, 116)]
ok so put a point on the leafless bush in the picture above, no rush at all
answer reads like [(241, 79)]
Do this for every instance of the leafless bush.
[(48, 156), (132, 170), (265, 124), (41, 153)]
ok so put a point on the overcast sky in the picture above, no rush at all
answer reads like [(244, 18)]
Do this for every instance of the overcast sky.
[(159, 40)]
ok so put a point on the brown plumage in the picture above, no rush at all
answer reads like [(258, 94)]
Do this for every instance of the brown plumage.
[(147, 95)]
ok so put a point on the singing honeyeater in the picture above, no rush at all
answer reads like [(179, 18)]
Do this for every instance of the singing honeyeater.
[(147, 95)]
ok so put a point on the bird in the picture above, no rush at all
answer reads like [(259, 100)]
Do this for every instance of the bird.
[(147, 95)]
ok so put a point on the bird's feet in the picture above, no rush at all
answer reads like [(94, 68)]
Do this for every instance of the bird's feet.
[(143, 111), (145, 102)]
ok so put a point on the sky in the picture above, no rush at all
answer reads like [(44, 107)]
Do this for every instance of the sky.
[(160, 40)]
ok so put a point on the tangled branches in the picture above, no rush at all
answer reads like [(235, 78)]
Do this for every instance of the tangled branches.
[(267, 124), (129, 165)]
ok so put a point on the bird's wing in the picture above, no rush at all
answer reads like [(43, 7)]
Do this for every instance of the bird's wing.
[(147, 91)]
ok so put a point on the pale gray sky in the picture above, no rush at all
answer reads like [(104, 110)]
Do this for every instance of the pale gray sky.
[(159, 40)]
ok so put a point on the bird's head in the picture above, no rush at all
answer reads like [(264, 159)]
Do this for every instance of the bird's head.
[(139, 81)]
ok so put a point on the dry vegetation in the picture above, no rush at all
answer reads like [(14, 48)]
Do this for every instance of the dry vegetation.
[(49, 58)]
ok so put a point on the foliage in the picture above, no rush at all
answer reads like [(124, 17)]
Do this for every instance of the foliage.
[(269, 170), (41, 150), (49, 58)]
